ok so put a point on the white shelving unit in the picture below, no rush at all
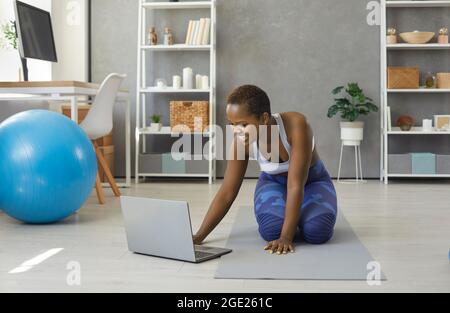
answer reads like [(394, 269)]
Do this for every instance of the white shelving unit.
[(385, 92), (144, 90)]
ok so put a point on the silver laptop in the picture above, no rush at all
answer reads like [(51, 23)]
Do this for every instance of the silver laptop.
[(162, 228)]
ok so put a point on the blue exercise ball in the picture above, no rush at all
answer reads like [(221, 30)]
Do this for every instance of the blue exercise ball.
[(48, 167)]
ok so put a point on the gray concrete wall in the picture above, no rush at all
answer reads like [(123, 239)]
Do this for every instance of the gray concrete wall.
[(296, 50)]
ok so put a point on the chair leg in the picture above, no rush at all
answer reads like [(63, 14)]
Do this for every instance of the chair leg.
[(340, 162), (356, 163), (360, 163), (99, 190), (106, 170)]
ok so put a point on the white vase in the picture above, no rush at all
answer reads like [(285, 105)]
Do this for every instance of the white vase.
[(352, 133), (155, 127)]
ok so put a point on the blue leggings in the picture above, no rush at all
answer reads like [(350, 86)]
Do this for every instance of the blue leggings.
[(317, 214)]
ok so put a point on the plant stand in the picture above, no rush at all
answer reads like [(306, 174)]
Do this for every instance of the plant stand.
[(358, 165)]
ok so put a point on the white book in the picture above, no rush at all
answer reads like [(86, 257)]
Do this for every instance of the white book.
[(189, 32), (195, 33), (389, 119), (207, 31), (201, 30)]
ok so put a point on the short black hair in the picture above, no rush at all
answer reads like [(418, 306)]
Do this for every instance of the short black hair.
[(254, 97)]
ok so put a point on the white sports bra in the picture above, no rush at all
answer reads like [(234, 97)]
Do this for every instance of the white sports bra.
[(276, 168)]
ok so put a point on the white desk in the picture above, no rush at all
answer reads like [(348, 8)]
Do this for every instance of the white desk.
[(70, 91)]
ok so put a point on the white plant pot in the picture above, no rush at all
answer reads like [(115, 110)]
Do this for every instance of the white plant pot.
[(352, 133), (155, 127)]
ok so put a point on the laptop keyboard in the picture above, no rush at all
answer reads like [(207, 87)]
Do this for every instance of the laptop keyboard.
[(200, 255)]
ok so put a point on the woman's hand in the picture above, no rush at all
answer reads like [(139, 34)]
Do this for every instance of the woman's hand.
[(197, 239), (280, 246)]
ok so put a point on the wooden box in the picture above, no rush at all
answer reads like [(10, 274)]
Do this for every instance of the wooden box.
[(443, 80), (189, 116), (83, 110), (108, 153), (403, 77)]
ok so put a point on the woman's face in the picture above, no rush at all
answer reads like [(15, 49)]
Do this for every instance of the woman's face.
[(245, 125)]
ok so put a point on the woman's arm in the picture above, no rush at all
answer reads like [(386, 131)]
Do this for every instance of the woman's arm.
[(234, 175), (300, 161)]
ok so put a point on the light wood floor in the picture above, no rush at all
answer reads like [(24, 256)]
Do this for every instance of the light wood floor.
[(406, 227)]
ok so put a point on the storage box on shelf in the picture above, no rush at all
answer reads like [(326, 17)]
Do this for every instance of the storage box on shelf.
[(197, 165), (443, 80), (443, 164), (423, 163), (150, 163), (426, 164), (166, 164), (400, 163), (403, 77), (173, 163), (189, 116)]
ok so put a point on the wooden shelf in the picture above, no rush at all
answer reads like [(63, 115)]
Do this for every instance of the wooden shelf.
[(420, 90), (420, 175), (417, 4), (427, 46), (178, 5), (416, 131), (172, 175), (177, 47), (172, 90), (168, 131)]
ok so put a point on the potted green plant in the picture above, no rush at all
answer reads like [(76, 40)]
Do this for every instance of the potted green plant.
[(9, 44), (350, 107), (155, 125), (9, 35)]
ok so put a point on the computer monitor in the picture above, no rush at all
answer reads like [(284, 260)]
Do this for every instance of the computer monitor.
[(35, 34)]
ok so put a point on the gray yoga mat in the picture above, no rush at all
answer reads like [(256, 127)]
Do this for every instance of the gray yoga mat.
[(344, 257)]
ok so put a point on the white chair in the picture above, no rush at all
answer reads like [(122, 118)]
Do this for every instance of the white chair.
[(99, 123)]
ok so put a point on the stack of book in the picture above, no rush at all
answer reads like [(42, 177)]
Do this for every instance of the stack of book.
[(198, 32)]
